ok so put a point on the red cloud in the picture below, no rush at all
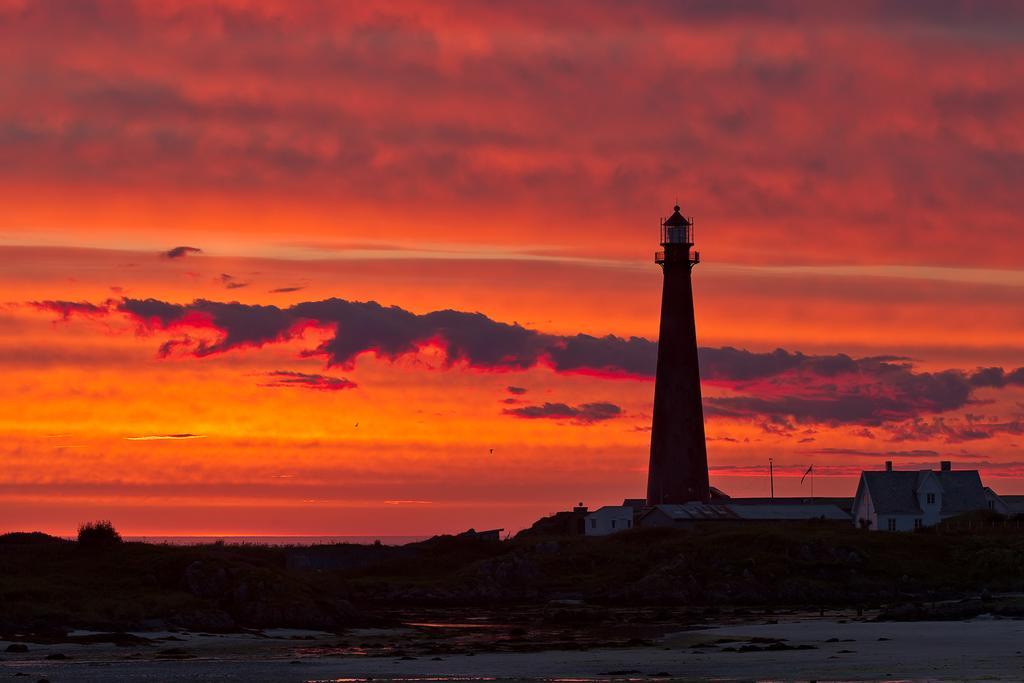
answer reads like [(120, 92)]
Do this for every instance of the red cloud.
[(66, 309), (887, 127), (287, 378)]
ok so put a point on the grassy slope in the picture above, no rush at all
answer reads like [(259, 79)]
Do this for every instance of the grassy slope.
[(738, 564), (47, 583)]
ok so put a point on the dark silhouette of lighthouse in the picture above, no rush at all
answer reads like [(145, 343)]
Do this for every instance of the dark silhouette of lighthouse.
[(678, 471)]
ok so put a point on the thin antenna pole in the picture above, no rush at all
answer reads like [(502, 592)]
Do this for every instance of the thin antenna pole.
[(771, 476)]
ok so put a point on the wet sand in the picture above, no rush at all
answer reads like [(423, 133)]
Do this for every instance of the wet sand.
[(989, 649)]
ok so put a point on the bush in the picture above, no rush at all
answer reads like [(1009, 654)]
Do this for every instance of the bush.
[(99, 534)]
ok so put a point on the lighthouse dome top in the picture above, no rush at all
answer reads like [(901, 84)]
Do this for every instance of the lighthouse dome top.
[(676, 219)]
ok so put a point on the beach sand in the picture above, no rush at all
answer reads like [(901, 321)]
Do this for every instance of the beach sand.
[(980, 649)]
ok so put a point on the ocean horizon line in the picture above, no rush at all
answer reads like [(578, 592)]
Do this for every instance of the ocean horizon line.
[(276, 539)]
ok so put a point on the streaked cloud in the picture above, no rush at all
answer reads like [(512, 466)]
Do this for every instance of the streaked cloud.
[(303, 380), (181, 252), (230, 281), (65, 309), (586, 413)]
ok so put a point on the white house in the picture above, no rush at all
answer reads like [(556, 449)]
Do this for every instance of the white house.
[(906, 500), (608, 520)]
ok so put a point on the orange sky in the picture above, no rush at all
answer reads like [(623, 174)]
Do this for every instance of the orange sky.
[(853, 173)]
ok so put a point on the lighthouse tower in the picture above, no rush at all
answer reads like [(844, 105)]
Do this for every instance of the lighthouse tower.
[(678, 471)]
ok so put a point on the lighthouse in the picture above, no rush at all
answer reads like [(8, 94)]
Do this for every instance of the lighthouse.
[(678, 471)]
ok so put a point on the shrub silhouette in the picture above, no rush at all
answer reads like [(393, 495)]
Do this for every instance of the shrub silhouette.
[(99, 534)]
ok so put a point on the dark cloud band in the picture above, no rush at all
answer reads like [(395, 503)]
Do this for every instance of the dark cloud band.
[(780, 388)]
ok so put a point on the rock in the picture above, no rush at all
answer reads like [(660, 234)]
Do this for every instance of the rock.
[(210, 620), (206, 580), (17, 647), (515, 568)]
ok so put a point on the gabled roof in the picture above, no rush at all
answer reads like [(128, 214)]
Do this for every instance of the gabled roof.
[(893, 492), (961, 491), (622, 509)]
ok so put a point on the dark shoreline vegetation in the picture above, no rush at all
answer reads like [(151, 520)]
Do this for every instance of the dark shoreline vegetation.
[(686, 576)]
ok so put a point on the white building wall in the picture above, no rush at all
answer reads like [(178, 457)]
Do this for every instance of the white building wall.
[(995, 503), (929, 497), (608, 520), (901, 522), (864, 509)]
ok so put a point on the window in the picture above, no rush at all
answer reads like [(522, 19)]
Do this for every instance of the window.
[(918, 523), (613, 523), (593, 524), (991, 505), (629, 524), (892, 524), (931, 499)]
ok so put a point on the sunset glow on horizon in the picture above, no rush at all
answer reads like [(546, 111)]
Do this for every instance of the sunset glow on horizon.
[(354, 269)]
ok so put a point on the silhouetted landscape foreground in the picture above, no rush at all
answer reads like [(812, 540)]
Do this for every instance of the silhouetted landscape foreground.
[(464, 596)]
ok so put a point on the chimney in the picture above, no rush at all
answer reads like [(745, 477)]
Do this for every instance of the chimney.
[(888, 465), (946, 466)]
